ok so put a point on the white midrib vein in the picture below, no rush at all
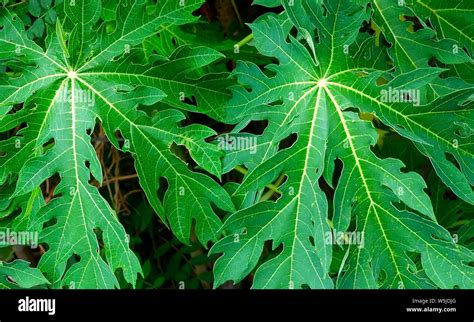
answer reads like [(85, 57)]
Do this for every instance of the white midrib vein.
[(394, 35), (110, 104), (420, 238), (443, 19), (304, 174), (298, 195), (29, 48), (137, 127), (38, 52), (332, 41), (362, 175), (78, 183), (308, 92), (306, 161), (50, 106), (29, 84), (405, 117)]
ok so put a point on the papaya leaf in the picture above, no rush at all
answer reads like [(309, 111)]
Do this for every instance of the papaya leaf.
[(316, 92), (87, 74)]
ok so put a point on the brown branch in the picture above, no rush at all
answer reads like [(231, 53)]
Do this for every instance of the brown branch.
[(121, 178)]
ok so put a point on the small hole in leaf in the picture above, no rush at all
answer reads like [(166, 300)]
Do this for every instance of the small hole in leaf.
[(288, 141), (11, 280), (162, 188), (338, 167), (48, 143), (452, 159), (449, 195), (256, 127), (433, 62), (120, 139), (98, 235), (51, 222), (381, 278), (277, 188)]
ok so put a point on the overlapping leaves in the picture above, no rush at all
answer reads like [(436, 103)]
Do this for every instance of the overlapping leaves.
[(117, 66), (51, 100), (18, 274), (314, 91)]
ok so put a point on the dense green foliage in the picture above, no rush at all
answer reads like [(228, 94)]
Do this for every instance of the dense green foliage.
[(330, 144)]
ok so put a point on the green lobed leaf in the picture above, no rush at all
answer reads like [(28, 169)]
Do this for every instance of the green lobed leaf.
[(18, 274), (86, 75), (313, 91)]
